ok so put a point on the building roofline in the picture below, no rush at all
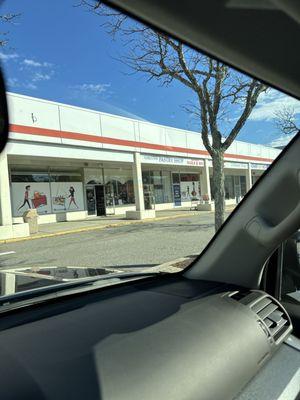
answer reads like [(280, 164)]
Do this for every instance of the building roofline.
[(118, 116)]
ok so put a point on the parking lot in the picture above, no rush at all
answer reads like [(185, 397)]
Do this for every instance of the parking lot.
[(127, 247)]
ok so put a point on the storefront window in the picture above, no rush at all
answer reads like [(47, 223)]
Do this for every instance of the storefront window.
[(93, 176), (229, 187), (159, 182), (176, 177), (190, 186), (167, 185), (119, 186), (29, 177), (30, 190), (157, 187), (47, 193), (65, 177), (243, 185), (66, 191), (110, 194), (235, 186), (146, 177)]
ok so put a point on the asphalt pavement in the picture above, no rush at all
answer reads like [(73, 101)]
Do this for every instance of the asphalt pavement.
[(127, 247)]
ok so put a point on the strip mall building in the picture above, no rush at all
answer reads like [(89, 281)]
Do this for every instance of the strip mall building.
[(72, 163)]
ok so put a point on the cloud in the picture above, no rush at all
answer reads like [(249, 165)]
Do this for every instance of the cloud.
[(15, 83), (30, 85), (41, 77), (282, 140), (36, 71), (12, 82), (270, 102), (32, 63), (92, 87), (6, 57), (32, 71)]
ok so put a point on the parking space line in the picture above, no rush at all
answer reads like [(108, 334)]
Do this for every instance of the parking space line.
[(5, 253)]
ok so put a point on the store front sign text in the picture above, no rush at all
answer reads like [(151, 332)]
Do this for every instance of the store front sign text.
[(149, 159)]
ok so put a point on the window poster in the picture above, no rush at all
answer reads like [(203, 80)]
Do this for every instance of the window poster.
[(190, 190), (26, 195), (67, 196), (176, 194)]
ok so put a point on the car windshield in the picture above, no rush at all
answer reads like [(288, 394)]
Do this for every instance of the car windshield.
[(127, 149)]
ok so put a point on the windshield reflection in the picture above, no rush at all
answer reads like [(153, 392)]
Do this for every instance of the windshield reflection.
[(27, 278)]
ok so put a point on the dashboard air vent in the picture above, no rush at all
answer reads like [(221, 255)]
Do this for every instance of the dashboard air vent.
[(272, 315), (270, 312)]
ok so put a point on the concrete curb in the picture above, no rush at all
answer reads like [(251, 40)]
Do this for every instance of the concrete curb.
[(95, 228), (170, 266)]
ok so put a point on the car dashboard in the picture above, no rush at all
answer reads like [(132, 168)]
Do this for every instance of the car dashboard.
[(156, 338)]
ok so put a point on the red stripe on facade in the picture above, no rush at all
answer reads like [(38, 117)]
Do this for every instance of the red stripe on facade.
[(30, 130)]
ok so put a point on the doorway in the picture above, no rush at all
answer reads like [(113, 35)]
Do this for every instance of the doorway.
[(90, 200), (237, 189), (100, 200)]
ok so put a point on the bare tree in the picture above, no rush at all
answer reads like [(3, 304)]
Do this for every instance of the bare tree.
[(285, 120), (216, 89)]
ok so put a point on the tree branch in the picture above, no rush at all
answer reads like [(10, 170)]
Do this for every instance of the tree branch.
[(254, 90), (285, 121)]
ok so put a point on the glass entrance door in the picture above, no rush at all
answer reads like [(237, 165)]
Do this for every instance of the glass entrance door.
[(90, 200), (100, 200)]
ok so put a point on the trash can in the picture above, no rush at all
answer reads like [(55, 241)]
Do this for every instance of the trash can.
[(31, 217)]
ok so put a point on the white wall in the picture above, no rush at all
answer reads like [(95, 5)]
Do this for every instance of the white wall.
[(152, 134), (38, 113)]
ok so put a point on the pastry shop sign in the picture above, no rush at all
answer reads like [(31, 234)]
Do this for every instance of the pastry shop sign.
[(150, 159)]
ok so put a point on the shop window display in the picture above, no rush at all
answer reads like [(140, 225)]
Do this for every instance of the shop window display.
[(159, 182), (190, 187), (46, 192), (229, 187), (119, 188), (66, 191), (167, 185)]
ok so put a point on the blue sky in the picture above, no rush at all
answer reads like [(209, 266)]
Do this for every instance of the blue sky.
[(60, 52)]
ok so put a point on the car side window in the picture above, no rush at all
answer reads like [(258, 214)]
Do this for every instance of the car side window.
[(290, 284)]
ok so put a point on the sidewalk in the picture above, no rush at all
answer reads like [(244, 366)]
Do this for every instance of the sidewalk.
[(98, 223), (95, 223)]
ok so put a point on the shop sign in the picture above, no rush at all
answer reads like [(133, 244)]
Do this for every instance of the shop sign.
[(239, 165), (260, 166), (235, 165), (150, 159)]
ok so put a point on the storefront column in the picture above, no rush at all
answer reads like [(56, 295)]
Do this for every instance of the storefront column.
[(140, 212), (206, 181), (207, 204), (138, 183), (5, 201), (248, 177)]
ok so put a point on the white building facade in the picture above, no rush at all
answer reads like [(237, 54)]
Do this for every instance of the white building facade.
[(72, 163)]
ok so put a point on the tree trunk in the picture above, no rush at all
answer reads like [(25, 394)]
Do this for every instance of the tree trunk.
[(218, 187)]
